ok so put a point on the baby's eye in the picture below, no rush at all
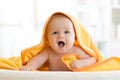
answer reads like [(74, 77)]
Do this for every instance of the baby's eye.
[(66, 32), (55, 32)]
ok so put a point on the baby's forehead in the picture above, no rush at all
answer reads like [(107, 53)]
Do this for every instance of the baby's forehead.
[(57, 17)]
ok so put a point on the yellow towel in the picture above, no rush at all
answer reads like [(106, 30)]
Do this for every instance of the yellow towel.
[(13, 63), (112, 63), (84, 41)]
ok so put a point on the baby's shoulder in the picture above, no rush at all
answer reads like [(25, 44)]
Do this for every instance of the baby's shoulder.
[(80, 52), (48, 49), (77, 48)]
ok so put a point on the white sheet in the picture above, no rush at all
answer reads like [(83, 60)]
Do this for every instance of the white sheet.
[(40, 75)]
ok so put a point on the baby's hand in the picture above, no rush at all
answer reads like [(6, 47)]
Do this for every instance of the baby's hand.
[(77, 64), (27, 68)]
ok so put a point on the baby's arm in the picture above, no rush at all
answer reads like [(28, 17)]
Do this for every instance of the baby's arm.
[(82, 63), (85, 59), (36, 62)]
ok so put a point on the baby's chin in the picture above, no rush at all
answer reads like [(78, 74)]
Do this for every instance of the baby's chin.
[(62, 50)]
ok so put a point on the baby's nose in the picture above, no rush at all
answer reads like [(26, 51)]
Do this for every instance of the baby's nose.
[(61, 35)]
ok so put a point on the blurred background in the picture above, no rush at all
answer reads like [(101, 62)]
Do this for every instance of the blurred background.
[(22, 21)]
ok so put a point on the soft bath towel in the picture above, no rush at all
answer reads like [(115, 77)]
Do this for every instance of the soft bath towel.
[(84, 41)]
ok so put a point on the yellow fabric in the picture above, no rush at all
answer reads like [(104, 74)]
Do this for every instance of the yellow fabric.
[(13, 63), (109, 64), (83, 40), (69, 58)]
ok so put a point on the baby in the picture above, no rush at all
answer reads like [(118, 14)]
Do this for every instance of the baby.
[(60, 36)]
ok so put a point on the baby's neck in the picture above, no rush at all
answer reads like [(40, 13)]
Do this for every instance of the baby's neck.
[(67, 52)]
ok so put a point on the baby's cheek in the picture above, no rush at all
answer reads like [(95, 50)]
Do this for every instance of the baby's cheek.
[(51, 40), (71, 42), (71, 38)]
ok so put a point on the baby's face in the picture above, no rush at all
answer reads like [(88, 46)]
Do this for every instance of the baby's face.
[(61, 34)]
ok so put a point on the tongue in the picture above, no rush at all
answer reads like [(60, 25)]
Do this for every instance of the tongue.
[(61, 44)]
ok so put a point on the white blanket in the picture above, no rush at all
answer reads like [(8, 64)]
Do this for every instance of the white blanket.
[(45, 75)]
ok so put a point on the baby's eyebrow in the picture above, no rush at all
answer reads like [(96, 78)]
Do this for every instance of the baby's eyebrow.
[(67, 28), (51, 31), (52, 28)]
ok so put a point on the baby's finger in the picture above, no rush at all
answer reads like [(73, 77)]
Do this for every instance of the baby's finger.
[(24, 68), (72, 65)]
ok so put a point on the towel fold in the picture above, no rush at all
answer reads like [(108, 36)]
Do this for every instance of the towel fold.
[(13, 63), (112, 63), (83, 41)]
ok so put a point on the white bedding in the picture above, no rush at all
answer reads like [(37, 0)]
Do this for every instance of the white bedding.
[(45, 75)]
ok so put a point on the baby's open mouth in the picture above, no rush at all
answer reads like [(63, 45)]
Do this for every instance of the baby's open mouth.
[(61, 44)]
